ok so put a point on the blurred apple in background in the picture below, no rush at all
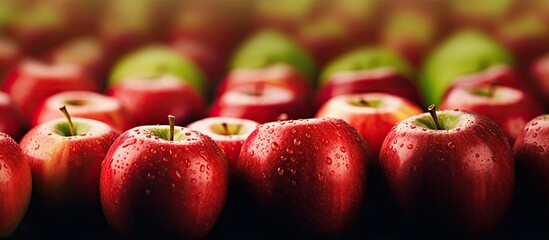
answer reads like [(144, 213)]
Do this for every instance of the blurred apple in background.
[(148, 100), (503, 75), (465, 52), (229, 134), (85, 52), (16, 187), (261, 102), (372, 114), (210, 62), (156, 60), (363, 70), (83, 104), (282, 15), (483, 15), (269, 47), (11, 121), (539, 71), (508, 107), (31, 82), (10, 54)]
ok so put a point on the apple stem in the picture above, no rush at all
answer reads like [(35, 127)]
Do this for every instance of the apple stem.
[(363, 102), (171, 119), (68, 116), (226, 128), (492, 88), (433, 111)]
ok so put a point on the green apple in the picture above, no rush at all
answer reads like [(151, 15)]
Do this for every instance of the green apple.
[(465, 52), (154, 60), (269, 47), (366, 59)]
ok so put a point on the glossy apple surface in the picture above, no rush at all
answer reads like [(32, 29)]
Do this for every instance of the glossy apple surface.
[(228, 133), (261, 103), (66, 168), (11, 121), (372, 114), (509, 108), (149, 100), (154, 187), (84, 104), (31, 82), (459, 177), (532, 159), (309, 172), (16, 186)]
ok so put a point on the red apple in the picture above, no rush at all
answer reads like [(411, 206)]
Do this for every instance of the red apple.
[(10, 54), (209, 61), (532, 161), (376, 80), (11, 122), (228, 133), (87, 53), (504, 75), (540, 78), (261, 103), (278, 74), (31, 82), (452, 171), (148, 99), (372, 114), (83, 104), (508, 107), (65, 157), (16, 187), (311, 172), (163, 182)]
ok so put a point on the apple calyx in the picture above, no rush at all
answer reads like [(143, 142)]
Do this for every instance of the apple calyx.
[(227, 129), (171, 119), (68, 116), (433, 111), (76, 102), (492, 88)]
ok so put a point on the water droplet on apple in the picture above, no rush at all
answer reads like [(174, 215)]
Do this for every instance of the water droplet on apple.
[(342, 149), (252, 153), (451, 145), (37, 147), (293, 171), (275, 146), (535, 135), (414, 168), (294, 182), (541, 149), (413, 127), (148, 191), (307, 135), (328, 160), (150, 176), (534, 123), (148, 135), (395, 141), (202, 168), (203, 155), (187, 134), (187, 163), (289, 150), (410, 146), (477, 155), (338, 156), (129, 142), (294, 130), (193, 180), (494, 159), (280, 171), (401, 145), (297, 142), (320, 176)]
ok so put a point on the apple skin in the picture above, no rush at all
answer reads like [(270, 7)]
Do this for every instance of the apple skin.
[(532, 159), (509, 108), (31, 82), (145, 100), (505, 75), (267, 105), (152, 187), (11, 121), (372, 122), (10, 54), (83, 104), (65, 169), (466, 51), (229, 144), (311, 172), (16, 187), (461, 178), (278, 74), (540, 78)]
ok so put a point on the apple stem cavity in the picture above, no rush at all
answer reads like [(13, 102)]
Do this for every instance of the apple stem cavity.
[(363, 102), (68, 116), (171, 119), (433, 111)]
